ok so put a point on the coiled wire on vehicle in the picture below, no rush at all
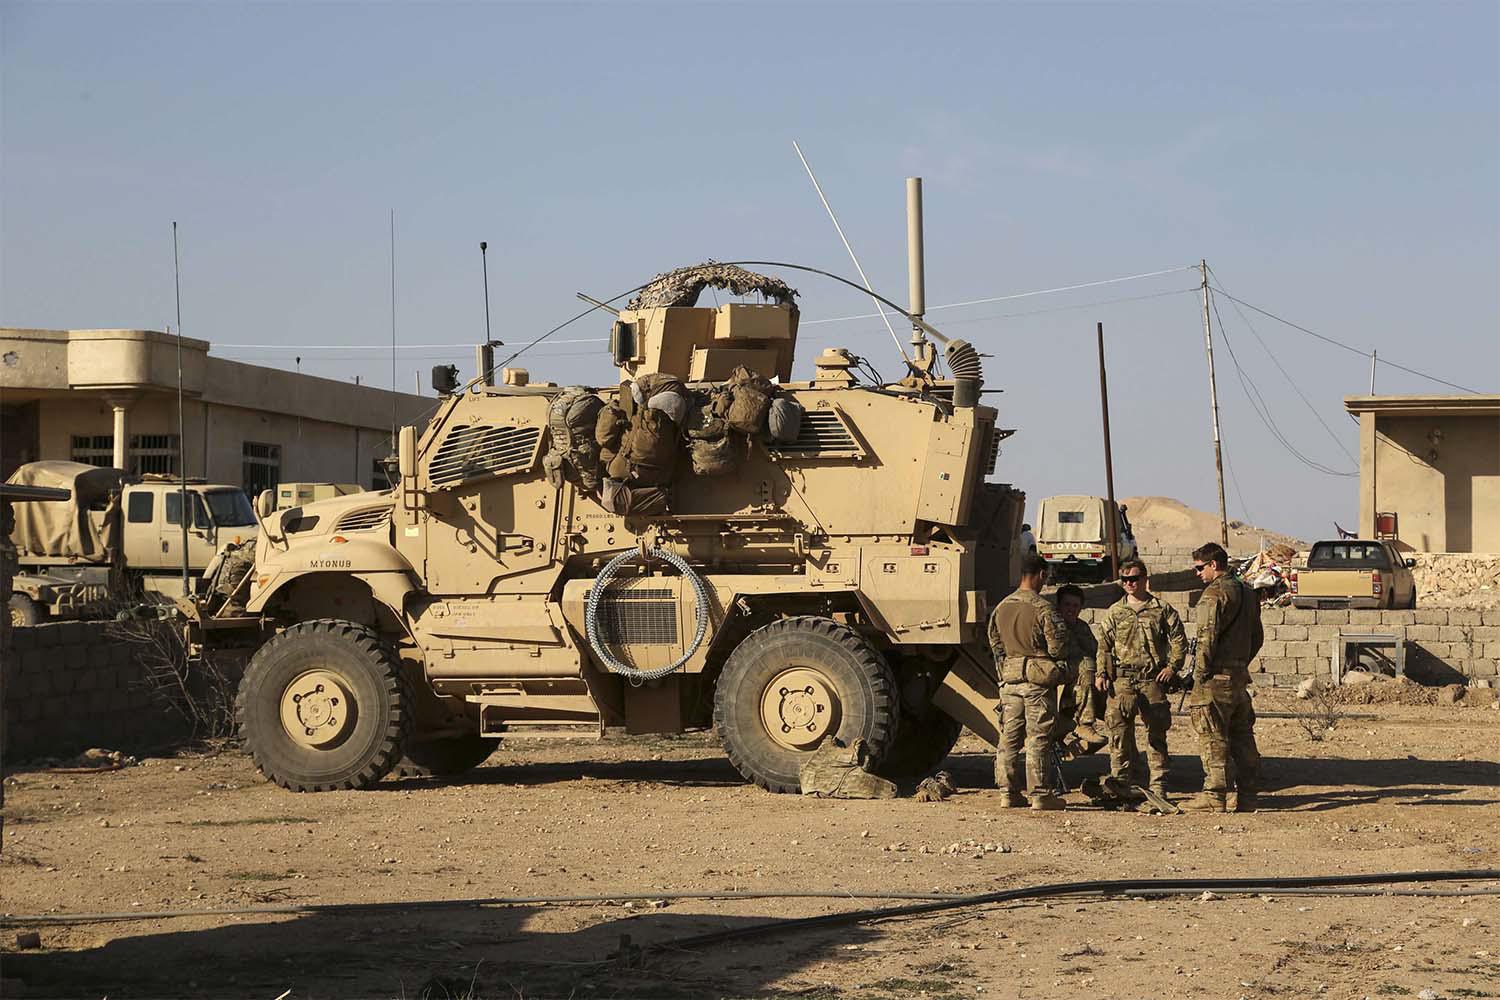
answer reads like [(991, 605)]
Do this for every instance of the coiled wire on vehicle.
[(596, 594)]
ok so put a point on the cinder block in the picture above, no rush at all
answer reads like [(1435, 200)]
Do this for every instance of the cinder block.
[(1324, 633), (1437, 650), (55, 707), (1485, 633), (1480, 667), (98, 656), (1454, 633), (1283, 665), (71, 658), (1491, 618), (1272, 648), (1423, 633), (1465, 616), (98, 702), (1302, 649), (1364, 617), (1431, 616), (1492, 650), (22, 639), (38, 661), (1299, 616), (1460, 652), (1325, 649), (1398, 618), (1331, 616), (1272, 616), (31, 709), (121, 653), (48, 635), (1292, 633), (73, 633), (86, 680), (1311, 668)]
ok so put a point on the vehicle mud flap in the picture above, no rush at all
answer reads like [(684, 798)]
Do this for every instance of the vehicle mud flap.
[(970, 693)]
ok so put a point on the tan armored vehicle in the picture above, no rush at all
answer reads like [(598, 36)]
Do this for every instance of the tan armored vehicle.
[(707, 544)]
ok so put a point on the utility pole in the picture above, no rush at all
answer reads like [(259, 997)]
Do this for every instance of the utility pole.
[(1213, 403), (1109, 468)]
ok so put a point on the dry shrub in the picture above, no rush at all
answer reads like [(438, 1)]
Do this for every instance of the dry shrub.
[(1322, 713), (197, 684)]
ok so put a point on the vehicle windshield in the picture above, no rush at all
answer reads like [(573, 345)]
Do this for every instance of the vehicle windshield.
[(1355, 555), (230, 508)]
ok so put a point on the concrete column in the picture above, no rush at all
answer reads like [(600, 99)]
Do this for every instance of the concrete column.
[(1369, 444), (121, 405)]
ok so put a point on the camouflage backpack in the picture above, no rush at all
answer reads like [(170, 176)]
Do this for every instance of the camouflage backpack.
[(574, 453)]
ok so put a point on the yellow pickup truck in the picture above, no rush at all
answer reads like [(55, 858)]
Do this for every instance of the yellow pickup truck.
[(1354, 573)]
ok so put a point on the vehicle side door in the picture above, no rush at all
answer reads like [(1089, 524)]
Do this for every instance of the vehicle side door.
[(1403, 582), (142, 528), (200, 547)]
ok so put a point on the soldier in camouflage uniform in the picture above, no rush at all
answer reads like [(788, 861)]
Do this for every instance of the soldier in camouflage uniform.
[(1076, 710), (1229, 636), (1142, 644), (1028, 640)]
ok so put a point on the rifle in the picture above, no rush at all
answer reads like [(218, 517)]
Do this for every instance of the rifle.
[(1182, 680)]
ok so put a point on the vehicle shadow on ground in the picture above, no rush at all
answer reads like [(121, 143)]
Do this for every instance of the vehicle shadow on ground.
[(1335, 782), (397, 950), (708, 772)]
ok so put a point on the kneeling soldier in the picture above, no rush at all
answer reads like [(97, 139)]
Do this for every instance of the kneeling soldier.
[(1028, 640), (1077, 710), (1142, 644)]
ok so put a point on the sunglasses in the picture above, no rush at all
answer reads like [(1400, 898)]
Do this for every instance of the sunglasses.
[(1131, 579), (1199, 567)]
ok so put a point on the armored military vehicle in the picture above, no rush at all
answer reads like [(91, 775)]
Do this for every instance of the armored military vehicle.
[(709, 543)]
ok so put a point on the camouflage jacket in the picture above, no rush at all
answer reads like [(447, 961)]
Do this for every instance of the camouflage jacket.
[(1025, 626), (1082, 650), (1141, 640), (1229, 630)]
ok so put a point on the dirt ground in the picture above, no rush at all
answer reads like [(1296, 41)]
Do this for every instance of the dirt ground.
[(1392, 787)]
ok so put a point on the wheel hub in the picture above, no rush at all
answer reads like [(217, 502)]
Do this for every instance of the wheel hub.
[(316, 709), (799, 708), (17, 620)]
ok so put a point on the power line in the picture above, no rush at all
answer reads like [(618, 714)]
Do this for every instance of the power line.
[(1347, 347), (1262, 408), (1017, 295), (1286, 375)]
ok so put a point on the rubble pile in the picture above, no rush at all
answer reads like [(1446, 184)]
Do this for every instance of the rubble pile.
[(1457, 579)]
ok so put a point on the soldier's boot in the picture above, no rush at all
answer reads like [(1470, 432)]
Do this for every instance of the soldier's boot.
[(1046, 801), (1012, 800), (1159, 787), (1090, 738), (1206, 802), (1246, 801)]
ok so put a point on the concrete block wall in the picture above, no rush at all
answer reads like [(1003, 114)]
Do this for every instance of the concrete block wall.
[(68, 686), (1443, 645)]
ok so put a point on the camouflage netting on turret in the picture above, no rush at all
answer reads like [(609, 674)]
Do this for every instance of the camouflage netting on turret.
[(683, 286)]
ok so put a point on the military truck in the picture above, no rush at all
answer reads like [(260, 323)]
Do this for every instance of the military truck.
[(1073, 537), (707, 544), (117, 536)]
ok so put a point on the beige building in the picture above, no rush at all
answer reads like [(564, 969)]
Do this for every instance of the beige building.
[(1434, 462), (109, 397)]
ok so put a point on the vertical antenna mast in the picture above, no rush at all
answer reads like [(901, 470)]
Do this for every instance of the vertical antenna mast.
[(1213, 403), (181, 423), (393, 330), (484, 357), (1109, 467)]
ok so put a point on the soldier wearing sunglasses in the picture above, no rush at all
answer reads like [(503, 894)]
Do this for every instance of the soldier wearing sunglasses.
[(1142, 644)]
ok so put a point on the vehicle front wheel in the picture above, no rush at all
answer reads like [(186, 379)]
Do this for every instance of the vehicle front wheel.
[(25, 612), (324, 706), (792, 684)]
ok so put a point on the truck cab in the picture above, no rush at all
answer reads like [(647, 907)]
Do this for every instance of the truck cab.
[(1073, 536), (152, 529)]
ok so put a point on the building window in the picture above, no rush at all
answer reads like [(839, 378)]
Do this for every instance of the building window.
[(262, 467), (149, 453), (139, 510), (94, 449), (154, 453)]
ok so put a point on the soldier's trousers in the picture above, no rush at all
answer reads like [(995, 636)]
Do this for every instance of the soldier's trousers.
[(1143, 697), (1225, 719), (1028, 714)]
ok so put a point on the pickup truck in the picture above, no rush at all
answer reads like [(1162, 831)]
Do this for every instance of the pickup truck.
[(1354, 573)]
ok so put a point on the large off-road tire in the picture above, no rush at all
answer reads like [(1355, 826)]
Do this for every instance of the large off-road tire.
[(324, 706), (793, 683), (921, 745), (446, 757), (25, 612)]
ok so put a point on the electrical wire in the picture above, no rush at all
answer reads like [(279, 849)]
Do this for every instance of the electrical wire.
[(1347, 347), (1285, 374), (1262, 408)]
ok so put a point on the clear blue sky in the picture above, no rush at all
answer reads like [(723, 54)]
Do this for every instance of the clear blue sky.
[(1337, 164)]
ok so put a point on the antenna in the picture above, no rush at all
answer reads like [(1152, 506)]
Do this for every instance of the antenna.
[(829, 209), (181, 434), (484, 357), (393, 330)]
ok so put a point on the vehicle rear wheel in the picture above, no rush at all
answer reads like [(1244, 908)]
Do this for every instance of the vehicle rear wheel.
[(25, 612), (445, 757), (922, 743), (793, 683), (324, 706)]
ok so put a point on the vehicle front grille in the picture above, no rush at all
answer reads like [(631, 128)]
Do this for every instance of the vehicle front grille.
[(364, 520), (476, 451), (645, 616)]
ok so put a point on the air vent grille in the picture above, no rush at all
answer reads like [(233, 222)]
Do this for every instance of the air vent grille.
[(643, 616), (477, 451), (364, 520), (824, 433)]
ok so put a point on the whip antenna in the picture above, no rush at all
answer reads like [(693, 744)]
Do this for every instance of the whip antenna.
[(181, 433), (868, 287)]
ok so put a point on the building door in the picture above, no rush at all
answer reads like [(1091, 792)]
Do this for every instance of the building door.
[(19, 437)]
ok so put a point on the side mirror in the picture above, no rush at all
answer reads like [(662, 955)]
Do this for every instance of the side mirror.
[(1411, 563), (406, 452), (265, 504), (622, 342)]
